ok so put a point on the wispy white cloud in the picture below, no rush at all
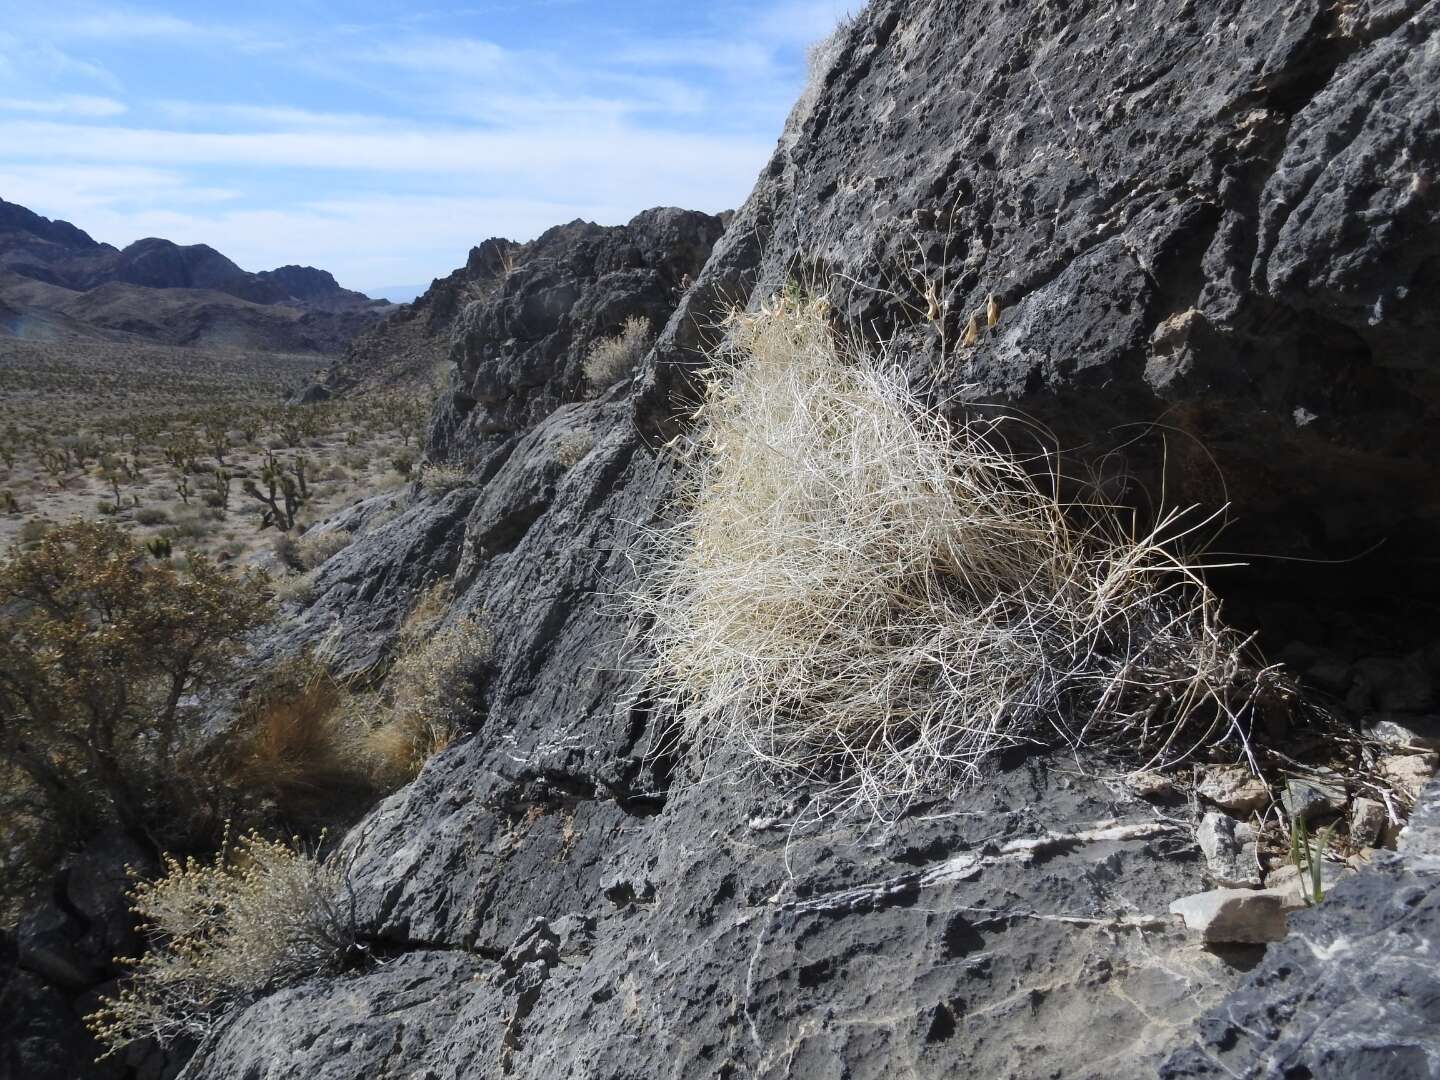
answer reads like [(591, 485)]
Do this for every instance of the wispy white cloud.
[(384, 151), (270, 117), (80, 192), (547, 157), (121, 24), (65, 105), (28, 63)]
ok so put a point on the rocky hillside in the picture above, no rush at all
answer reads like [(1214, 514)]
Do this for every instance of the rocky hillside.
[(57, 284), (1197, 243), (412, 341)]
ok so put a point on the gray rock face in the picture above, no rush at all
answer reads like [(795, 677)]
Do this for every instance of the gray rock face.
[(1206, 217), (1353, 993), (520, 355)]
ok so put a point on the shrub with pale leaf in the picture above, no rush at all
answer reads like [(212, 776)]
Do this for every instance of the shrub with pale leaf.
[(611, 358), (260, 916)]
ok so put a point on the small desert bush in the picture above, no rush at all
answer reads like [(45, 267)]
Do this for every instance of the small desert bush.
[(151, 515), (442, 478), (287, 550), (611, 358), (260, 916), (573, 446), (296, 589), (315, 547), (860, 592)]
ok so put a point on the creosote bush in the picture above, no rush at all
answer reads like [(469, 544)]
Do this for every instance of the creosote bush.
[(859, 592), (260, 916), (611, 358), (101, 648)]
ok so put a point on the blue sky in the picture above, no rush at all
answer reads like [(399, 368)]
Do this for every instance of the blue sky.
[(380, 140)]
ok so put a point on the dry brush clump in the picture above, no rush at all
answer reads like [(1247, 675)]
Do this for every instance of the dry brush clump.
[(860, 592), (611, 358), (258, 917), (426, 699)]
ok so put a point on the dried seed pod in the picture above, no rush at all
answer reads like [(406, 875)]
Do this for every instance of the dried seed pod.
[(972, 332)]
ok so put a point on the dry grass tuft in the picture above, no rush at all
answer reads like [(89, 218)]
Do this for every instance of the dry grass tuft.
[(299, 746), (318, 545), (427, 698), (861, 593), (262, 915), (612, 358)]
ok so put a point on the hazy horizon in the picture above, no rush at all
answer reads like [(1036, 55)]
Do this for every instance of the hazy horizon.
[(379, 142)]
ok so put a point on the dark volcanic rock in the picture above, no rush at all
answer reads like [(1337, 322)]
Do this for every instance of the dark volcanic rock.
[(405, 347), (61, 957), (1219, 219), (520, 355), (1354, 993)]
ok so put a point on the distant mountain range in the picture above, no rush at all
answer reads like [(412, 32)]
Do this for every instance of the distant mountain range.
[(399, 294), (59, 284)]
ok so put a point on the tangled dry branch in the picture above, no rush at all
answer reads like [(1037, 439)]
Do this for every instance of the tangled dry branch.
[(861, 592)]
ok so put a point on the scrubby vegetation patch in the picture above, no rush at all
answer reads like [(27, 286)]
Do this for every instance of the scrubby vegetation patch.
[(863, 593)]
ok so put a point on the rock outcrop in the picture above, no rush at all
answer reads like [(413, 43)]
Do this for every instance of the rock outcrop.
[(1353, 993), (63, 285), (1214, 222)]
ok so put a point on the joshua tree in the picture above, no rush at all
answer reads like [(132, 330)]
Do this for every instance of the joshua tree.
[(219, 484), (286, 490)]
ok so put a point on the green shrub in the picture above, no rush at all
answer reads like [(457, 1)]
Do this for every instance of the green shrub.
[(98, 652), (151, 515)]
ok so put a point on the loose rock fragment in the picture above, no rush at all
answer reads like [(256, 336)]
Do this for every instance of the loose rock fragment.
[(1408, 772), (1422, 732), (1235, 916), (1367, 822), (1150, 785), (1232, 863), (1232, 787), (1307, 799)]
